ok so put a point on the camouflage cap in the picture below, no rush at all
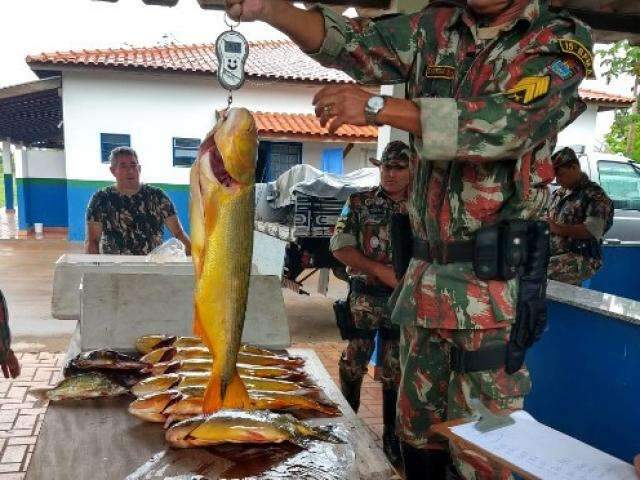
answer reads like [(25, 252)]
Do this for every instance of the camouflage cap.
[(396, 154), (564, 157)]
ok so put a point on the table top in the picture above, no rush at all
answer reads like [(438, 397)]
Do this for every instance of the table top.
[(99, 439)]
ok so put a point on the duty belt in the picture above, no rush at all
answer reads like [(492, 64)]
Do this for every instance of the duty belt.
[(488, 358), (359, 287), (444, 253)]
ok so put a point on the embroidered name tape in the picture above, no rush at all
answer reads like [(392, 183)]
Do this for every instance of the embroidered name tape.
[(529, 88), (582, 53), (440, 71)]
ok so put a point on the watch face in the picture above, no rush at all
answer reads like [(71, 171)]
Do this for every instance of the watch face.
[(375, 103)]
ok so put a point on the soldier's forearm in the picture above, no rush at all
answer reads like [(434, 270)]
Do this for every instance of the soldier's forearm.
[(354, 258), (304, 27), (401, 114)]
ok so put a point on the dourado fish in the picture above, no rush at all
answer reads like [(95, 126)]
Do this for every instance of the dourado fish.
[(84, 386), (186, 402), (222, 215), (204, 365), (234, 426)]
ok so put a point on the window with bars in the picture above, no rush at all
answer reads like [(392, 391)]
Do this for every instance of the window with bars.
[(283, 156), (185, 151)]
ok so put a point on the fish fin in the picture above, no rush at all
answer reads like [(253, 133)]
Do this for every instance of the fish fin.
[(236, 395), (213, 395)]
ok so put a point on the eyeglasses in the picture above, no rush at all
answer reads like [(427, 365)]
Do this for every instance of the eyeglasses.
[(129, 166)]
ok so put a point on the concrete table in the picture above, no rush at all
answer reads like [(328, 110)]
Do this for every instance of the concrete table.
[(98, 439)]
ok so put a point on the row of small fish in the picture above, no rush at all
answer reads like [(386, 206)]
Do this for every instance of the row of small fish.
[(167, 354), (172, 405), (148, 343), (169, 381)]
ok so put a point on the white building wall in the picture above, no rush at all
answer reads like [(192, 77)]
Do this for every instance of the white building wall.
[(43, 163), (582, 131), (154, 108)]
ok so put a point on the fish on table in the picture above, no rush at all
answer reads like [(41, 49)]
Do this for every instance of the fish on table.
[(178, 404), (222, 211), (84, 386), (236, 426), (148, 343), (105, 359)]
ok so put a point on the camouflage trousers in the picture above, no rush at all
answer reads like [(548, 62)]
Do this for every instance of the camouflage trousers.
[(572, 268), (431, 393), (355, 358)]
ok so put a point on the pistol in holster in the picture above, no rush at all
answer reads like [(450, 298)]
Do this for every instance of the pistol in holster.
[(401, 243)]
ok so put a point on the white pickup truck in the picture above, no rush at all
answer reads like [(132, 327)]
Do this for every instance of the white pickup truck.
[(619, 176)]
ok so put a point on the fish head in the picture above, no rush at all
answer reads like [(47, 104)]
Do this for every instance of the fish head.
[(236, 140)]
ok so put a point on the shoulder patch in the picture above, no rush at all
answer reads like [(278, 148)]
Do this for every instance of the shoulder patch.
[(529, 88), (582, 53), (562, 69), (345, 210)]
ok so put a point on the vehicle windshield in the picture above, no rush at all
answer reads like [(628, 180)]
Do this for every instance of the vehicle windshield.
[(621, 181)]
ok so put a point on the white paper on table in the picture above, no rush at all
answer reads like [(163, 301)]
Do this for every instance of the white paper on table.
[(545, 452)]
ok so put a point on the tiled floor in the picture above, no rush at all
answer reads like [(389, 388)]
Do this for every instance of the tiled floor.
[(8, 225), (22, 411)]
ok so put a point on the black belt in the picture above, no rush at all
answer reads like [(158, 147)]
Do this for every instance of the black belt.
[(488, 358), (444, 253), (359, 287)]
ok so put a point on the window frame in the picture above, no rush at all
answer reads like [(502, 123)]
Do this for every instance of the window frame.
[(104, 155), (174, 147)]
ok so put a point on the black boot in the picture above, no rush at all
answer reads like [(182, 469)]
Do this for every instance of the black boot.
[(390, 443), (351, 391), (420, 464)]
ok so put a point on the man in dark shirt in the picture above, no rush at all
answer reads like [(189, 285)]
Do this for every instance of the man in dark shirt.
[(127, 218)]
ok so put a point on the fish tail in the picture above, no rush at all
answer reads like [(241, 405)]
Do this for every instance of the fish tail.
[(235, 395), (213, 395)]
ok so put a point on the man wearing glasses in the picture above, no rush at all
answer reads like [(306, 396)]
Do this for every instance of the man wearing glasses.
[(127, 218)]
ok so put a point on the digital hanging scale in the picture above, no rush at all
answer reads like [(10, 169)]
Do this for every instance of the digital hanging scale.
[(232, 50)]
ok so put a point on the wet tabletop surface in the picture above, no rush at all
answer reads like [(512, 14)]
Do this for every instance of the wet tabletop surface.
[(98, 439)]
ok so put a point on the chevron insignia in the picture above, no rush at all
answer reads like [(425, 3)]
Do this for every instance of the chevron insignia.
[(529, 88)]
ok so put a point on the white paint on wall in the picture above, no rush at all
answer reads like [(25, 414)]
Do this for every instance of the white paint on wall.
[(44, 163), (6, 157), (582, 131)]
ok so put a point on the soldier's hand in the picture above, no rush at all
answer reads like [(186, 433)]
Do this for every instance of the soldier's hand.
[(341, 105), (636, 462), (245, 10), (10, 366)]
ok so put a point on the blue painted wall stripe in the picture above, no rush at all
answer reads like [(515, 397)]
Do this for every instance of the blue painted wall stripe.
[(8, 191), (42, 200)]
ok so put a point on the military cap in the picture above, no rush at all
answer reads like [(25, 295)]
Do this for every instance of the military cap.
[(564, 157), (396, 154)]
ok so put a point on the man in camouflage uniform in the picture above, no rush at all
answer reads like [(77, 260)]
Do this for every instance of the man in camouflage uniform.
[(490, 83), (579, 215), (362, 242), (128, 218)]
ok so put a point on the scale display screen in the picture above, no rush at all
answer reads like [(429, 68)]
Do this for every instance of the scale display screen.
[(232, 47)]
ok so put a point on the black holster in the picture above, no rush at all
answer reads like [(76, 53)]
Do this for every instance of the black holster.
[(401, 243), (531, 309), (344, 317), (587, 248), (514, 249)]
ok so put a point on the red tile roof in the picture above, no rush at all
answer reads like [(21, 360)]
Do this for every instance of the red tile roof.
[(308, 126), (590, 95), (275, 59)]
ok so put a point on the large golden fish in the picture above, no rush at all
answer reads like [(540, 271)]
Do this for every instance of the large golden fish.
[(222, 214)]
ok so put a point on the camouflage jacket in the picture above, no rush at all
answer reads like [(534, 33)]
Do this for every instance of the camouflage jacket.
[(131, 224), (5, 333), (586, 204), (364, 224), (491, 104)]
